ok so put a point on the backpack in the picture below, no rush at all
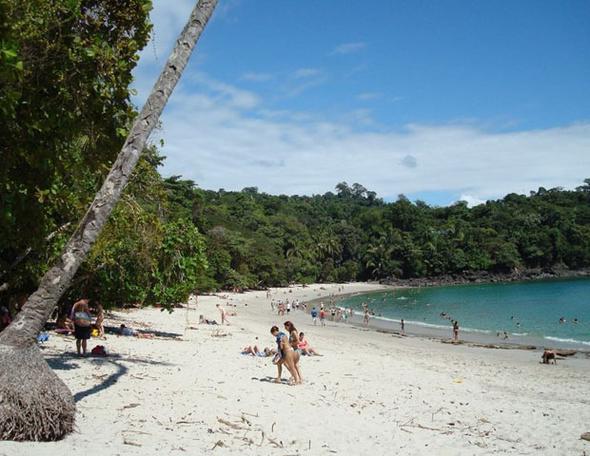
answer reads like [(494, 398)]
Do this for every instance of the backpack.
[(99, 350)]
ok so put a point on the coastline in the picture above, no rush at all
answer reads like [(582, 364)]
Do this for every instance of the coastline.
[(190, 391)]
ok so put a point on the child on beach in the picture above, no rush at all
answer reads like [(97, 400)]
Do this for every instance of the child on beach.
[(99, 323)]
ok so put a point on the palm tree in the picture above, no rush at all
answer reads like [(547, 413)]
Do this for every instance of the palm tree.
[(34, 403)]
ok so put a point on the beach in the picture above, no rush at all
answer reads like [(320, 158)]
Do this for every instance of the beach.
[(189, 390)]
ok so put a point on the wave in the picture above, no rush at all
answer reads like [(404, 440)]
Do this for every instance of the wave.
[(433, 325), (570, 341), (520, 334)]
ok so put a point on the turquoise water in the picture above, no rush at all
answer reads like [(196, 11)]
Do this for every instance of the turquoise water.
[(522, 309)]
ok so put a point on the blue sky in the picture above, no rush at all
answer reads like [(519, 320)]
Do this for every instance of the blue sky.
[(440, 100)]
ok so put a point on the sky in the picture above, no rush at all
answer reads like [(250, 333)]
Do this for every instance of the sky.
[(438, 100)]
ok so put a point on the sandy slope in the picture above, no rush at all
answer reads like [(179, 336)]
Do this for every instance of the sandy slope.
[(371, 393)]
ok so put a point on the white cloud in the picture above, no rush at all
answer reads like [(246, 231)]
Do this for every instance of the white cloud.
[(257, 77), (349, 48), (306, 73), (471, 200), (367, 96), (215, 138)]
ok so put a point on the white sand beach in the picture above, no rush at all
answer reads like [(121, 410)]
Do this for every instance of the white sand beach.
[(190, 391)]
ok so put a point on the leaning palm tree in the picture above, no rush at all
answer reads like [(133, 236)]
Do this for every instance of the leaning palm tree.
[(34, 403)]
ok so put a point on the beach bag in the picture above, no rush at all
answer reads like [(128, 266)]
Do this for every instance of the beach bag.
[(99, 350)]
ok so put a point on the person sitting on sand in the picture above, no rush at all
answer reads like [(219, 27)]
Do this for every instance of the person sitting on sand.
[(548, 355), (63, 325), (254, 351), (285, 355), (304, 347), (5, 318), (206, 321), (126, 331)]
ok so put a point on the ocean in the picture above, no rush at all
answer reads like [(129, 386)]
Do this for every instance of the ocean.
[(548, 312)]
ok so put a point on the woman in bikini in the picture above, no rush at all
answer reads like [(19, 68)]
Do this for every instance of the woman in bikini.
[(294, 343), (285, 355)]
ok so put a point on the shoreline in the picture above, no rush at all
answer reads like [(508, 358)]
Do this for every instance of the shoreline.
[(468, 337)]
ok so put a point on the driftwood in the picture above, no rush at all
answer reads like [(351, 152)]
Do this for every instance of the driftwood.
[(565, 353)]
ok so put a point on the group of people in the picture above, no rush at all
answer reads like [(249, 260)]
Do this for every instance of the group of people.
[(291, 345), (333, 313), (282, 307)]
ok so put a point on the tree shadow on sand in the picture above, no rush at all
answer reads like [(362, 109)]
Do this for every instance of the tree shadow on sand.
[(70, 361)]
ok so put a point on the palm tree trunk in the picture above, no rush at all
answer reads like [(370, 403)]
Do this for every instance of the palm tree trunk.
[(25, 414)]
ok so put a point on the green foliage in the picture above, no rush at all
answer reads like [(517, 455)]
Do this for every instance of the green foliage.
[(254, 239), (180, 263), (65, 70)]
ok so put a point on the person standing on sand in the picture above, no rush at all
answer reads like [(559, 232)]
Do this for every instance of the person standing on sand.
[(223, 314), (402, 324), (314, 315), (82, 320), (455, 330), (99, 323), (366, 317), (323, 317)]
